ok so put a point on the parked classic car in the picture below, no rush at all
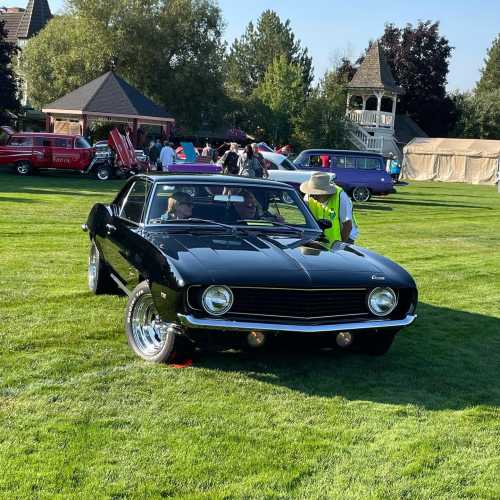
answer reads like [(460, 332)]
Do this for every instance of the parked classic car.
[(241, 267), (32, 151), (360, 173)]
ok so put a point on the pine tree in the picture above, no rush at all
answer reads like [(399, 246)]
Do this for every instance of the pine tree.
[(8, 84), (490, 74)]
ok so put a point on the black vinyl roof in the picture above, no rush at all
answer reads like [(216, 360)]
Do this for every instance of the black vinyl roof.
[(109, 95)]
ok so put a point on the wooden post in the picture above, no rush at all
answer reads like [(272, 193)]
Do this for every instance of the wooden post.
[(48, 123), (134, 132), (379, 106), (394, 100)]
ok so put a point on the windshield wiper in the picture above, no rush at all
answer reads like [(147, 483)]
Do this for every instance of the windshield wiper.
[(260, 223), (227, 227)]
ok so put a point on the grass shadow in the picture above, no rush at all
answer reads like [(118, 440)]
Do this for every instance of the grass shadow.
[(429, 203), (11, 199), (447, 360)]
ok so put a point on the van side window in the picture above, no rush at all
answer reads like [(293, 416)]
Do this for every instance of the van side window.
[(373, 164), (360, 163), (338, 161), (62, 143), (26, 142), (43, 141), (82, 143), (350, 162)]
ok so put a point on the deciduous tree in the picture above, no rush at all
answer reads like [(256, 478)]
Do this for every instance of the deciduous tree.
[(490, 74)]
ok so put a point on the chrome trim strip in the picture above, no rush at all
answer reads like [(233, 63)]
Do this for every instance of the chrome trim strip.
[(120, 285), (190, 321)]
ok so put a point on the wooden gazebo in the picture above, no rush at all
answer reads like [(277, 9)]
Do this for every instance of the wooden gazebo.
[(107, 98)]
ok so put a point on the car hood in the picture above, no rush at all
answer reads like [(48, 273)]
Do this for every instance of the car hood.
[(264, 260)]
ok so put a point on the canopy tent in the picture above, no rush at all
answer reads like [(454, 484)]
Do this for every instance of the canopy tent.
[(476, 161), (107, 98)]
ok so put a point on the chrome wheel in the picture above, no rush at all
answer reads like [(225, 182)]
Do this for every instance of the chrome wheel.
[(147, 333), (93, 268), (23, 168), (361, 193), (103, 173)]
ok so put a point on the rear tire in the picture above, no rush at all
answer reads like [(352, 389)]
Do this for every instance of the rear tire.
[(361, 194), (147, 335), (103, 172), (23, 168), (98, 276), (374, 344)]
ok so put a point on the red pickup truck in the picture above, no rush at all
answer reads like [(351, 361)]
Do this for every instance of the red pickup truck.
[(31, 151)]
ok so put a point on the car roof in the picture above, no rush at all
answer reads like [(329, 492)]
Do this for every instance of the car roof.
[(348, 151), (213, 179), (46, 134)]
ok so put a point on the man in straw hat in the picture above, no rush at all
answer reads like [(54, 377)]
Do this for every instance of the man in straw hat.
[(326, 200)]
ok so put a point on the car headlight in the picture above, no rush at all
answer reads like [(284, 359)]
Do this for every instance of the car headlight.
[(382, 301), (217, 300)]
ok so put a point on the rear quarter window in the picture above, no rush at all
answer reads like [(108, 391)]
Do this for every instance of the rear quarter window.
[(62, 143)]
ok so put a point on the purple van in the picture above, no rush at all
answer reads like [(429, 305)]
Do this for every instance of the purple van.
[(360, 173), (193, 168)]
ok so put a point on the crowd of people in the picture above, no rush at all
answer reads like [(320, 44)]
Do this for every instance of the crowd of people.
[(234, 159)]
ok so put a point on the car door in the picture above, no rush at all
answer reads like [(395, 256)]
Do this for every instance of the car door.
[(61, 153), (121, 242), (42, 152)]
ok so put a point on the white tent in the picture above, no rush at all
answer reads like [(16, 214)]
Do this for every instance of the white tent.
[(476, 161)]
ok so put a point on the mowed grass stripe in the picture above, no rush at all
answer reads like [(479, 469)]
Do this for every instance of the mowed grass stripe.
[(82, 417)]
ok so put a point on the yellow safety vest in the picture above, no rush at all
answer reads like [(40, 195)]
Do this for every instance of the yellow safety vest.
[(329, 210)]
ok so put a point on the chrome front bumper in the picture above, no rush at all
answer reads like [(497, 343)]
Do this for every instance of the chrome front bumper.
[(189, 321)]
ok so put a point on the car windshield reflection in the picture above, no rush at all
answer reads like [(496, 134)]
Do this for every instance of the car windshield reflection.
[(229, 205)]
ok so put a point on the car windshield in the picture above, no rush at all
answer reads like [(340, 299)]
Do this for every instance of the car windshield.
[(286, 164), (264, 208)]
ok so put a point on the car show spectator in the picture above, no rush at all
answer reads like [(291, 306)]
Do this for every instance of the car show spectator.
[(394, 168), (167, 155), (154, 153), (328, 201), (229, 160), (209, 152), (260, 158), (248, 165)]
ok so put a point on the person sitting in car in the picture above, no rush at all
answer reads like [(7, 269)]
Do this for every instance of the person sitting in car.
[(180, 206), (251, 209)]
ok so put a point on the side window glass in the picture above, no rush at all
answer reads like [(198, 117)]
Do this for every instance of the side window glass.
[(360, 163), (315, 161), (21, 141), (350, 162), (43, 141), (373, 164), (61, 143), (270, 165), (134, 204), (338, 161), (82, 143)]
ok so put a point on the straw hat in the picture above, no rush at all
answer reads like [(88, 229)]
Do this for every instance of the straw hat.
[(319, 183)]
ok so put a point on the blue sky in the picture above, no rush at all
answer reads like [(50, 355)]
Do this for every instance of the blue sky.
[(331, 28)]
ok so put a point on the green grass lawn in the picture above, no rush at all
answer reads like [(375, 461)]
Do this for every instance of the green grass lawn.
[(82, 417)]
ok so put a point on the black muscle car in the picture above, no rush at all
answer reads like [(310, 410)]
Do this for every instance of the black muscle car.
[(222, 259)]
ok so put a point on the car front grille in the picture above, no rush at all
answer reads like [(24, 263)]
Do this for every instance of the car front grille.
[(301, 304)]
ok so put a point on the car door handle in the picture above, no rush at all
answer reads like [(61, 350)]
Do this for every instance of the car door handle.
[(110, 228)]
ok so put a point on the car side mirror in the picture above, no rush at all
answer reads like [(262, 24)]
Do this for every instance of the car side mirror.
[(324, 224)]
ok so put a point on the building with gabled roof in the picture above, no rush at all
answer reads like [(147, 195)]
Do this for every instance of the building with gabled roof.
[(21, 24)]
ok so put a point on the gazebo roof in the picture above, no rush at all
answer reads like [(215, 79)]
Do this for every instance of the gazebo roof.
[(374, 73), (108, 95)]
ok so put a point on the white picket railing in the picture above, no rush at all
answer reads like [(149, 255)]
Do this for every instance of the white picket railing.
[(369, 118), (365, 140)]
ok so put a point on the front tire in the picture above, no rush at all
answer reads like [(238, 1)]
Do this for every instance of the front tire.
[(147, 335), (103, 173), (98, 276), (24, 168), (361, 194)]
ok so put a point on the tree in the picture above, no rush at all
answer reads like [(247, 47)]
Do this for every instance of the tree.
[(490, 74), (8, 84), (322, 123), (251, 55), (419, 59), (282, 91), (171, 50)]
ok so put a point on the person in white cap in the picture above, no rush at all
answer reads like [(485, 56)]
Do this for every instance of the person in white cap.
[(326, 200)]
